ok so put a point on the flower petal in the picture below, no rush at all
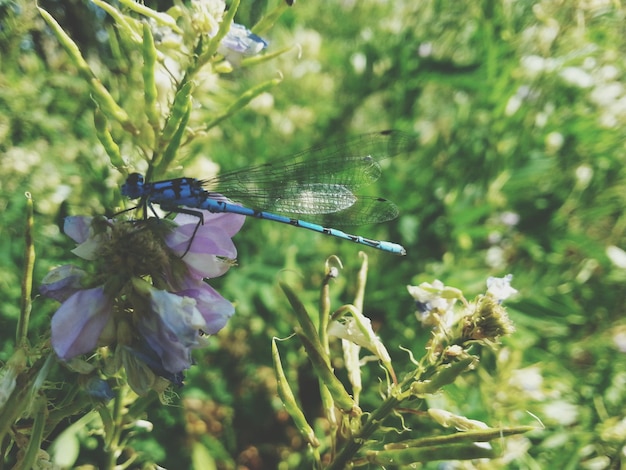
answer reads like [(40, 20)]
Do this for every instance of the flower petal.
[(79, 321), (62, 282), (240, 42), (358, 330), (209, 243), (99, 389), (77, 227), (215, 309), (500, 287), (230, 223), (90, 248), (90, 234), (143, 358), (206, 240), (172, 328)]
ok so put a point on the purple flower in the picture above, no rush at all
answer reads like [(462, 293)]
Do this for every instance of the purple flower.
[(240, 42), (79, 322), (211, 244), (214, 308), (142, 293), (98, 388), (62, 282), (83, 230), (171, 327)]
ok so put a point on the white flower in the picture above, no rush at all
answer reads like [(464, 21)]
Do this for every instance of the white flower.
[(577, 77), (206, 16), (494, 257), (425, 49), (435, 298), (500, 287), (619, 340), (606, 94), (358, 330), (528, 380), (561, 412), (548, 33), (534, 65), (461, 423), (617, 256), (509, 218), (359, 62), (608, 72), (554, 141), (513, 105)]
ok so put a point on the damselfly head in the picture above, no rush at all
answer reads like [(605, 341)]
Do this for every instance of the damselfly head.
[(133, 187)]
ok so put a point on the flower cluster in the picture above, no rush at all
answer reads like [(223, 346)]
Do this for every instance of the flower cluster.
[(146, 297), (205, 17), (484, 319), (434, 302)]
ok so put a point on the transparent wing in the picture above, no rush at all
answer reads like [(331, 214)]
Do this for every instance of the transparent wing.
[(365, 210), (320, 180)]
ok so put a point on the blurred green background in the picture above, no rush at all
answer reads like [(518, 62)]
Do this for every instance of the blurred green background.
[(520, 108)]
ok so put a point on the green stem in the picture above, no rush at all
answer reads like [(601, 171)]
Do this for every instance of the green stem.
[(324, 308), (113, 450), (40, 413), (357, 441), (242, 101), (374, 421), (27, 277), (361, 282), (27, 385), (324, 318)]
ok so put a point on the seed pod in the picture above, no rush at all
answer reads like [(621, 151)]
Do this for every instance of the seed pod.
[(289, 401), (243, 101), (149, 82), (100, 94), (430, 454), (180, 108), (174, 144), (106, 139), (444, 375)]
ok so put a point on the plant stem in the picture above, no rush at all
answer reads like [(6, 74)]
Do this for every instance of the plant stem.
[(27, 276), (113, 449), (370, 426)]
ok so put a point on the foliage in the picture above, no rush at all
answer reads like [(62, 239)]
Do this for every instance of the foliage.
[(520, 170)]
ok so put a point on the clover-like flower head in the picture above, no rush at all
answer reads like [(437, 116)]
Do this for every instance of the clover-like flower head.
[(145, 294)]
